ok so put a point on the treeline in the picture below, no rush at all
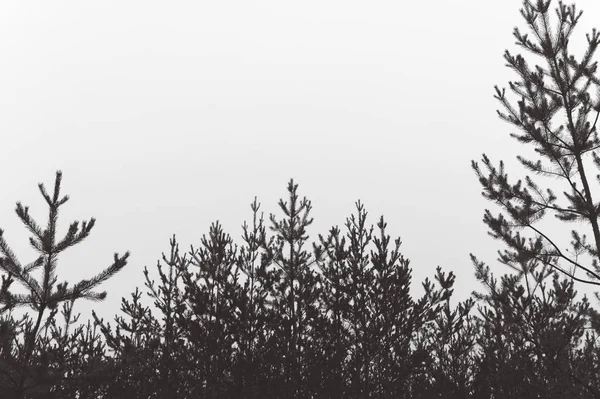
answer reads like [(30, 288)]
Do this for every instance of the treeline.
[(272, 317), (279, 315)]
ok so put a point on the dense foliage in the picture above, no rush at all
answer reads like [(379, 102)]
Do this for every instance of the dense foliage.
[(269, 318), (278, 316)]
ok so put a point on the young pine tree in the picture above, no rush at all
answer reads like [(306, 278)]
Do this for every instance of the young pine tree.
[(211, 290), (371, 319), (256, 360), (26, 368), (296, 293), (149, 352)]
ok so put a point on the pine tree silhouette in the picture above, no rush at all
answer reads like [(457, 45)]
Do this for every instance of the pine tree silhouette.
[(562, 87), (26, 366)]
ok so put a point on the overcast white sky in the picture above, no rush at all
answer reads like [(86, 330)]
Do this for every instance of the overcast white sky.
[(165, 116)]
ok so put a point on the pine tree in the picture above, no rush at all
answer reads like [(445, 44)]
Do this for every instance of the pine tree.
[(371, 319), (296, 293), (528, 334), (255, 363), (150, 354), (211, 290), (561, 87), (349, 271), (26, 366)]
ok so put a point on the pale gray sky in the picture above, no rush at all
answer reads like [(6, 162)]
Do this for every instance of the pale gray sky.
[(168, 115)]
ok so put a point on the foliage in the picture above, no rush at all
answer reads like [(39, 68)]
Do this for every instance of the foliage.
[(562, 87), (224, 321), (278, 316), (38, 357)]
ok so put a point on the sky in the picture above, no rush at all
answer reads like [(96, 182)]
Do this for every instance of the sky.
[(167, 116)]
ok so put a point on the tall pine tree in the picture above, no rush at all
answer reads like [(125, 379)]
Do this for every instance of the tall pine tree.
[(562, 87)]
